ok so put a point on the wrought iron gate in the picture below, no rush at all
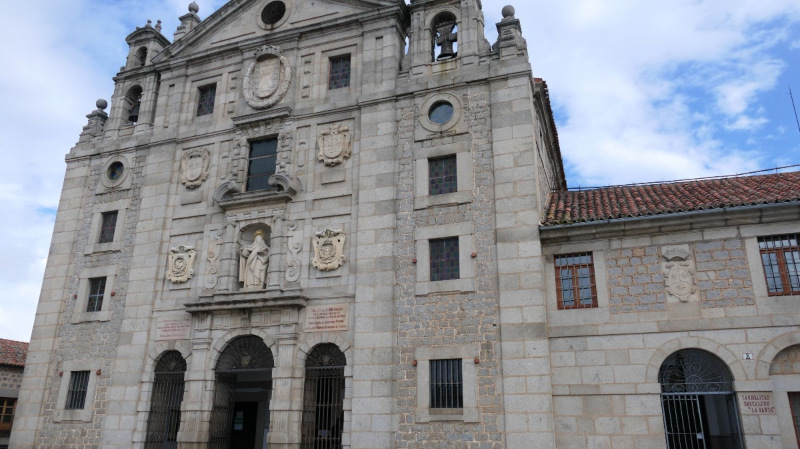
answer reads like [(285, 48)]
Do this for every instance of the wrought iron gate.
[(222, 412), (164, 418), (323, 398)]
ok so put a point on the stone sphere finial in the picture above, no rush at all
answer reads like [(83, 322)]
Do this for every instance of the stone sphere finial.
[(101, 104), (194, 8), (508, 11)]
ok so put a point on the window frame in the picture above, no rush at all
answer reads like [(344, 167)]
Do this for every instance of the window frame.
[(62, 413), (267, 175), (467, 354), (783, 270), (466, 263), (94, 301), (108, 228), (202, 101), (77, 388), (576, 287), (95, 229), (339, 58), (464, 175), (80, 312), (446, 393), (7, 408), (450, 181), (435, 274)]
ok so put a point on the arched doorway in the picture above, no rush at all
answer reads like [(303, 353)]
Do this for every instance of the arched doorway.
[(164, 418), (323, 398), (698, 402), (240, 416), (784, 370)]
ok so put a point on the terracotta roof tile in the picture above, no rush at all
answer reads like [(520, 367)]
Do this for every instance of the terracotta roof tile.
[(613, 202), (13, 352)]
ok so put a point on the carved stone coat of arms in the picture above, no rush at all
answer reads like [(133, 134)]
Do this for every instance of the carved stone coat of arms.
[(180, 264), (328, 250), (267, 78), (334, 145), (194, 168)]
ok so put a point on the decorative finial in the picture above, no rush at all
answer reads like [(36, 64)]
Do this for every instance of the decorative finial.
[(508, 12), (158, 26), (194, 8), (149, 23), (101, 104)]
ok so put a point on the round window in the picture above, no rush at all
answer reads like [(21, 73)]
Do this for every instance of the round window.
[(273, 13), (441, 112), (115, 171)]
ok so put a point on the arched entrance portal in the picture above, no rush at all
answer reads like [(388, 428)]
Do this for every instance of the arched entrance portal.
[(698, 402), (240, 417), (323, 398)]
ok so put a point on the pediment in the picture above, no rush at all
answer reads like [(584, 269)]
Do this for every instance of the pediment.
[(240, 21)]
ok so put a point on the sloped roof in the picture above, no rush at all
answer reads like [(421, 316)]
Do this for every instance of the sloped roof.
[(13, 352), (606, 203)]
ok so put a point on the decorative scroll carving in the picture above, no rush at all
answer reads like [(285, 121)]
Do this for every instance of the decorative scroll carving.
[(293, 261), (328, 250), (679, 273), (267, 78), (194, 168), (334, 145), (212, 259), (180, 267)]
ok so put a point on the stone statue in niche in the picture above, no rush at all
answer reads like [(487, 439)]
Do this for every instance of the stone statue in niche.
[(194, 168), (334, 145), (267, 78), (180, 264), (679, 273), (328, 250), (253, 261)]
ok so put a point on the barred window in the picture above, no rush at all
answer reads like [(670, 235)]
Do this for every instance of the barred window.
[(444, 259), (108, 227), (6, 413), (205, 104), (76, 394), (97, 287), (442, 176), (780, 255), (575, 283), (447, 388), (261, 164), (340, 72)]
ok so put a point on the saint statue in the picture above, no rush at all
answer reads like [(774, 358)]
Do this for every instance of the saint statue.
[(253, 261)]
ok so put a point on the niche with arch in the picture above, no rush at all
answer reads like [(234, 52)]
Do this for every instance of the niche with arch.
[(444, 36), (254, 254), (132, 104)]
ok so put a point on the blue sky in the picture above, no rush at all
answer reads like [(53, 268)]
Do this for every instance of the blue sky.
[(642, 91)]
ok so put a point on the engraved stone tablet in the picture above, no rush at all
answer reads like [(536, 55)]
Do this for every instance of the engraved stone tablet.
[(173, 327), (327, 318)]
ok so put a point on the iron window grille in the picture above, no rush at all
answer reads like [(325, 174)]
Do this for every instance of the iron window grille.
[(7, 413), (780, 256), (205, 104), (261, 164), (97, 287), (442, 176), (76, 393), (340, 72), (165, 407), (444, 259), (447, 387), (108, 227), (575, 282), (323, 398)]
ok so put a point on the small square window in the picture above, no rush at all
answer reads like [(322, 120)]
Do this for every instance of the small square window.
[(97, 287), (780, 256), (261, 164), (575, 282), (108, 227), (444, 259), (340, 72), (6, 413), (205, 104), (442, 176), (76, 394), (447, 386)]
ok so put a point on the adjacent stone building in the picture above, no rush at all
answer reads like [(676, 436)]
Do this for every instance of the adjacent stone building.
[(12, 362), (345, 224)]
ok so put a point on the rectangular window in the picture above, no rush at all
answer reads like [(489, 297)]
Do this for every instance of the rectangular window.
[(447, 388), (76, 394), (444, 259), (442, 177), (575, 284), (6, 413), (340, 72), (794, 405), (205, 104), (108, 227), (97, 287), (261, 164), (780, 255)]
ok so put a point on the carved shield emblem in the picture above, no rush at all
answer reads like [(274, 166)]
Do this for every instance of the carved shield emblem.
[(194, 168), (180, 264), (267, 78), (334, 145), (328, 249)]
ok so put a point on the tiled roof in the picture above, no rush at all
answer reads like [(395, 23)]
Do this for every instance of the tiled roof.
[(607, 203), (13, 352)]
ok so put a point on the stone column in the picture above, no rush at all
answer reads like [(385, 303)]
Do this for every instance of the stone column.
[(196, 407), (285, 414)]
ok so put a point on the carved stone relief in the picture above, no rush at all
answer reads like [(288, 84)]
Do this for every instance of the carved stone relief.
[(212, 259), (334, 145), (328, 250), (253, 262), (679, 273), (267, 78), (180, 264), (194, 168), (294, 263)]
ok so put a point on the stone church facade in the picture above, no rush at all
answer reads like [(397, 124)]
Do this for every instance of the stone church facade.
[(345, 224)]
